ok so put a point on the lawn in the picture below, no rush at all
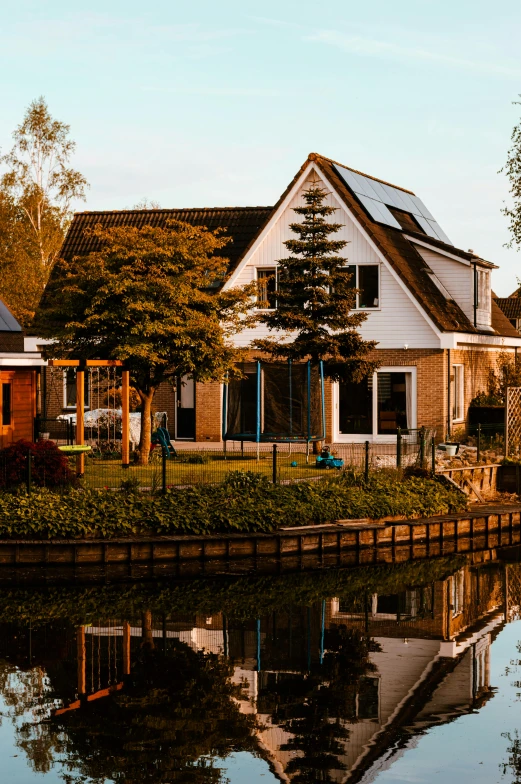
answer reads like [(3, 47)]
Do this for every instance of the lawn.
[(212, 468)]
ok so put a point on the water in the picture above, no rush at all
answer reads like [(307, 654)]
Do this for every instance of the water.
[(402, 673)]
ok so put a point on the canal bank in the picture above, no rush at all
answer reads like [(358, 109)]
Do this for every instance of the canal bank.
[(353, 541)]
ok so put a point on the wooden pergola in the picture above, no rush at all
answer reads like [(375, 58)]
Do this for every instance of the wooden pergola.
[(81, 366)]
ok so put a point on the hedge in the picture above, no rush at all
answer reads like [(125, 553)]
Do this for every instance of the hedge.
[(243, 503)]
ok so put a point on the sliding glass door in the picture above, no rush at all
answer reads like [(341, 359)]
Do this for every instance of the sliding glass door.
[(378, 406)]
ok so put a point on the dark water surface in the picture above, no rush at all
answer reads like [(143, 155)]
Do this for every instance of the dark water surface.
[(402, 673)]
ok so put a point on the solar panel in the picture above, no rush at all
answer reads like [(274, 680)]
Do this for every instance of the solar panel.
[(378, 211), (376, 197)]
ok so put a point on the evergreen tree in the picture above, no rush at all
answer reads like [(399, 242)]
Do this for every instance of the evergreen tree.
[(315, 297)]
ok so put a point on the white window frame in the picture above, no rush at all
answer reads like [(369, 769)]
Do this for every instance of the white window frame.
[(457, 593), (87, 386), (458, 393), (266, 269), (348, 438), (354, 268)]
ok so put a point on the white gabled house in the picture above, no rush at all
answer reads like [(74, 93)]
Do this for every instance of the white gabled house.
[(429, 304)]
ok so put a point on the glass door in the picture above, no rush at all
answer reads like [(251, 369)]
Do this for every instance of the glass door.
[(185, 409), (377, 406), (6, 409)]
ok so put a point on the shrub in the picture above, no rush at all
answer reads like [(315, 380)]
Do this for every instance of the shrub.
[(242, 480), (198, 458), (49, 468), (229, 507)]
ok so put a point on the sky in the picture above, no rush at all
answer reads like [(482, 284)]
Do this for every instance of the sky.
[(219, 103)]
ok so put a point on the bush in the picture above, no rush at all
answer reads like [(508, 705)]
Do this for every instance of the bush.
[(49, 467), (233, 506)]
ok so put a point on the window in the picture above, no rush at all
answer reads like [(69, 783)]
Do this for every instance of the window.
[(6, 405), (392, 403), (457, 592), (378, 405), (483, 292), (368, 697), (69, 389), (356, 407), (457, 393), (267, 288), (365, 278)]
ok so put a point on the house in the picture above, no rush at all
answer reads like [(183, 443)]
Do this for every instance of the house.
[(511, 308), (20, 368), (429, 305), (431, 663)]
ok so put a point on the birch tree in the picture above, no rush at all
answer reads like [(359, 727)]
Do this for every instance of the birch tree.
[(37, 189)]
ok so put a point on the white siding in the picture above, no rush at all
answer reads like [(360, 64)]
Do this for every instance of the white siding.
[(458, 279), (397, 322)]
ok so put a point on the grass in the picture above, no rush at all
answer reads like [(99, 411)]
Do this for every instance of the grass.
[(213, 468)]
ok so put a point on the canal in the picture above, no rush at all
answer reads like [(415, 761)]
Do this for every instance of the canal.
[(386, 673)]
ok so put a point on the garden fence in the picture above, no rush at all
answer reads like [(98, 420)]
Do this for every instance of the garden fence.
[(186, 465)]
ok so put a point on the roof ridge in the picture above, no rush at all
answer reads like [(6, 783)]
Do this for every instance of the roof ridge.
[(314, 155), (168, 209)]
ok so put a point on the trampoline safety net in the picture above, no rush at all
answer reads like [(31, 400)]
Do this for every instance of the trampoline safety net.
[(275, 402)]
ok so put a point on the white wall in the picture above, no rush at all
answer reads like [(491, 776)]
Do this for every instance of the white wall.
[(458, 279), (398, 321)]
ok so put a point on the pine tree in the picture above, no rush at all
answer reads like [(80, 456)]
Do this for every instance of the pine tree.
[(315, 298)]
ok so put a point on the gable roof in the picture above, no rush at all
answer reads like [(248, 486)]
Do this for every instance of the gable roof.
[(245, 224), (510, 306), (242, 224), (8, 323), (407, 262)]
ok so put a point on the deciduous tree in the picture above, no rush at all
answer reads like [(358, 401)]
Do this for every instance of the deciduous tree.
[(37, 189), (512, 169), (150, 297)]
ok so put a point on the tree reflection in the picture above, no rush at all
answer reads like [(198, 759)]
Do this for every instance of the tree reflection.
[(514, 759), (317, 709), (177, 714)]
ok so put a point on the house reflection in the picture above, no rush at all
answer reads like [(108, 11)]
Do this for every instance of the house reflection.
[(423, 659)]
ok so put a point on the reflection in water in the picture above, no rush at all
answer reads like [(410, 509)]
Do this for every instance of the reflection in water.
[(328, 685)]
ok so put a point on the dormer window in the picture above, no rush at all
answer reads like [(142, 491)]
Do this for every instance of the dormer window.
[(483, 289)]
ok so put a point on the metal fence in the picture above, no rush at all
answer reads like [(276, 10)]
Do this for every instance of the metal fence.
[(184, 465), (487, 437)]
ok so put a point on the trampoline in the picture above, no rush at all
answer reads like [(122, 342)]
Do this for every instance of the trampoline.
[(275, 403)]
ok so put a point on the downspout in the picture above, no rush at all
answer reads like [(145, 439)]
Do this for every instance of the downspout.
[(475, 295), (449, 413)]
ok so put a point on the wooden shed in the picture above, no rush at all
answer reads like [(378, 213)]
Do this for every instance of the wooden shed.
[(19, 371)]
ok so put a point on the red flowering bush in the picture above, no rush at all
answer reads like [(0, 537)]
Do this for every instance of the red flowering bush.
[(49, 466)]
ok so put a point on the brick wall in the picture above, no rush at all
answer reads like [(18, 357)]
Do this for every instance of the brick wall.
[(164, 400), (208, 412), (476, 368)]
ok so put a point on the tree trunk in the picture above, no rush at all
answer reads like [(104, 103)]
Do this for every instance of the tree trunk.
[(147, 636), (146, 426)]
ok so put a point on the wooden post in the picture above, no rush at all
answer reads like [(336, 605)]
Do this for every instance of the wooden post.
[(125, 419), (82, 660), (126, 648), (80, 415)]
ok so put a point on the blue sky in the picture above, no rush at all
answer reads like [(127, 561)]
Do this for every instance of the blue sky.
[(219, 103)]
